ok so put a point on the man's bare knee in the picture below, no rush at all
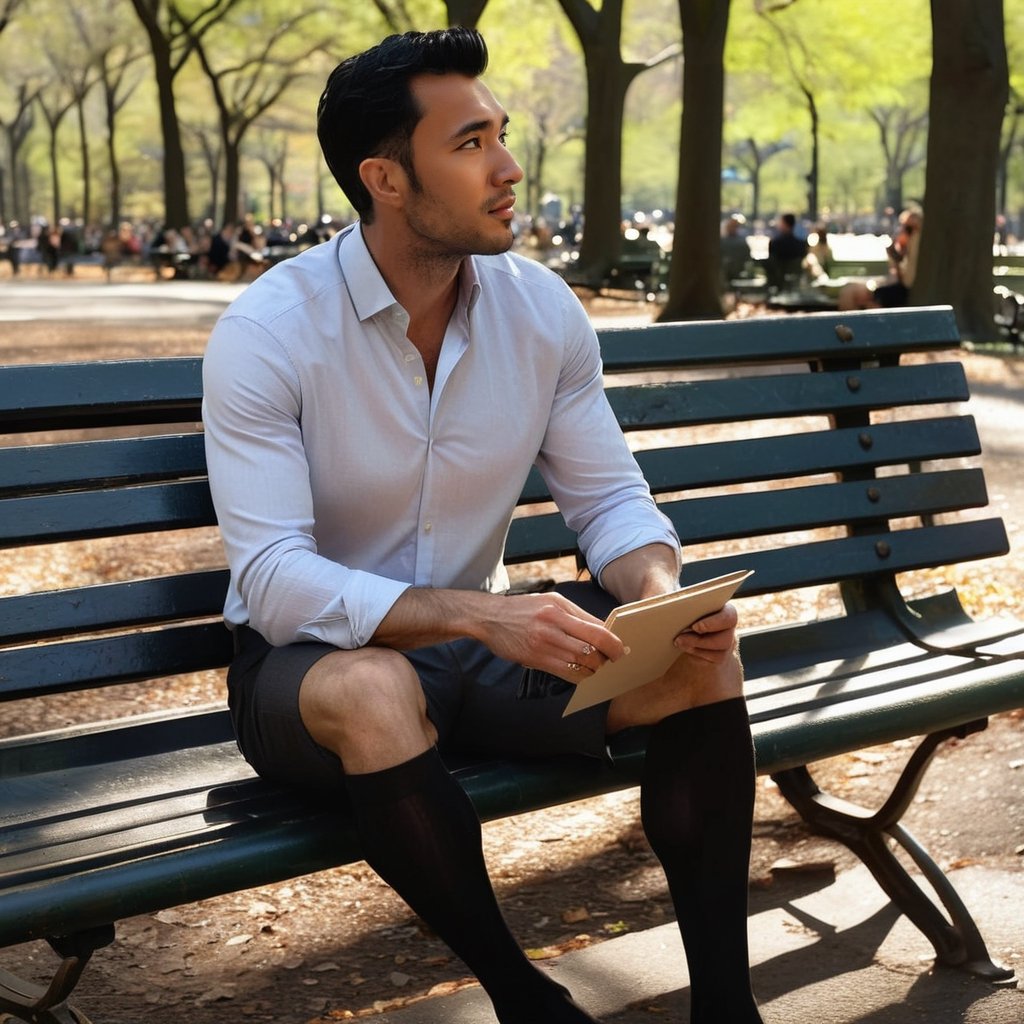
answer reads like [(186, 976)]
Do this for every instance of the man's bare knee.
[(368, 707), (689, 683)]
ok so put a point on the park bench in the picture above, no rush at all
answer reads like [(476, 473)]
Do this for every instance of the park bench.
[(640, 272), (829, 453)]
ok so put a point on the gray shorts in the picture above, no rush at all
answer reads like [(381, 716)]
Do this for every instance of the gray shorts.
[(472, 700)]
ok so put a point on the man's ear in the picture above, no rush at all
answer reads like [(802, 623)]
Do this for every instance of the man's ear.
[(384, 180)]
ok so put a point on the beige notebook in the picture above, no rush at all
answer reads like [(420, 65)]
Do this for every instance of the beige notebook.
[(648, 628)]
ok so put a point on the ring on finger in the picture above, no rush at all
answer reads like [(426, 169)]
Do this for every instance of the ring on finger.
[(573, 666), (587, 649)]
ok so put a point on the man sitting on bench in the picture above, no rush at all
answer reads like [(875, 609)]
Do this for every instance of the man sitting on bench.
[(372, 409)]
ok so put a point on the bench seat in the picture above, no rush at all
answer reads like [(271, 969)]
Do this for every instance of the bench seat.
[(179, 816)]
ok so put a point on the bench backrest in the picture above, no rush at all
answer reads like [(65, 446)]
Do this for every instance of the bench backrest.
[(784, 445)]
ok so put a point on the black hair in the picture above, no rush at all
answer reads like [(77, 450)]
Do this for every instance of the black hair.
[(367, 108)]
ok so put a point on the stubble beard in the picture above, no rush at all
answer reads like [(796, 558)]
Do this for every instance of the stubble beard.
[(438, 244)]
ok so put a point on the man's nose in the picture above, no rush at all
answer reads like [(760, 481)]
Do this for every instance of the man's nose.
[(508, 170)]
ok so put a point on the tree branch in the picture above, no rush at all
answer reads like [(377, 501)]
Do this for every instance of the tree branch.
[(584, 19)]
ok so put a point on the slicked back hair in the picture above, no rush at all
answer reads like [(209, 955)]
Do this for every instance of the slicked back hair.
[(367, 108)]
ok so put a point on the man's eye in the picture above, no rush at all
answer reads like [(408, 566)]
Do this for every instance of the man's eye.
[(473, 143), (503, 137)]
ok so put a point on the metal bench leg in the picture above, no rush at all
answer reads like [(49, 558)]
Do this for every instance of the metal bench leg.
[(24, 1001), (870, 835)]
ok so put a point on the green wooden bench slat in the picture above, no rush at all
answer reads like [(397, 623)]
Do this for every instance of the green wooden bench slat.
[(748, 514), (794, 652), (850, 558), (795, 338), (122, 510), (847, 682), (690, 403), (858, 268), (71, 395), (765, 458), (720, 463), (27, 617), (752, 514), (270, 847), (51, 467), (84, 664), (144, 735), (932, 705), (538, 537)]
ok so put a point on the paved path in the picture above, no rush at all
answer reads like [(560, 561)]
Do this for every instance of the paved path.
[(91, 300), (43, 299)]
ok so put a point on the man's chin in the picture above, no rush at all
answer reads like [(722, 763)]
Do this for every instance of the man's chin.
[(496, 246)]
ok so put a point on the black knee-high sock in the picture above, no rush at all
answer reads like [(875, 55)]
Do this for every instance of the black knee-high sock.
[(421, 834), (697, 802)]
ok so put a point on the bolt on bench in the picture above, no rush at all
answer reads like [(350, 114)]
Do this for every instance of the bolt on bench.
[(806, 448)]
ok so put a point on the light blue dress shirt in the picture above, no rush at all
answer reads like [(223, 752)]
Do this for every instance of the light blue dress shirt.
[(340, 478)]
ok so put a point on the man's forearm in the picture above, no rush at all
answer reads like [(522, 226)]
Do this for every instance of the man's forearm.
[(545, 631), (644, 572), (422, 616)]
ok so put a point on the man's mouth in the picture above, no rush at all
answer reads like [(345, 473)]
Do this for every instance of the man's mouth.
[(503, 208)]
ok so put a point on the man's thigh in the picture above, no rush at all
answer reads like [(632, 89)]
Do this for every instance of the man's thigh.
[(263, 697), (510, 711), (474, 700)]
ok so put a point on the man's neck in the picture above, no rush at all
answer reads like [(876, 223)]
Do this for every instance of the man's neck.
[(426, 288), (423, 284)]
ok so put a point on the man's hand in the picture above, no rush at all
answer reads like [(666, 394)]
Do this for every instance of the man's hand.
[(541, 631), (711, 638), (550, 633), (653, 570)]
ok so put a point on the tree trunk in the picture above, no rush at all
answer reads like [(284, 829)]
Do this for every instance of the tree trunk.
[(812, 177), (83, 139), (536, 157), (694, 275), (115, 170), (969, 87), (175, 186), (754, 170), (318, 178), (465, 12), (232, 178), (608, 80), (54, 175)]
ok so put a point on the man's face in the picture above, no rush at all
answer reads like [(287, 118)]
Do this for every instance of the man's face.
[(463, 203)]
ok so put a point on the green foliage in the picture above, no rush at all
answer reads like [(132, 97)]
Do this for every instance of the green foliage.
[(854, 56), (851, 57)]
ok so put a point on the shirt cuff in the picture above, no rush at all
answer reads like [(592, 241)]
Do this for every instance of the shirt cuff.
[(351, 621)]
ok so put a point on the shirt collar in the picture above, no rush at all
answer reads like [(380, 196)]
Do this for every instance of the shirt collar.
[(369, 291), (469, 284), (366, 288)]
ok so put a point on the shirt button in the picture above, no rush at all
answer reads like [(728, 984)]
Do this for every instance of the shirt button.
[(417, 380), (427, 527)]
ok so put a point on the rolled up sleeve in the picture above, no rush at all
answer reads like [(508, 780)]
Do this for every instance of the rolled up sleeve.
[(589, 468), (259, 478)]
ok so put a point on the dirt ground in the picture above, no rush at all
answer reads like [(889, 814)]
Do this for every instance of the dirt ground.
[(339, 945)]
